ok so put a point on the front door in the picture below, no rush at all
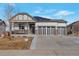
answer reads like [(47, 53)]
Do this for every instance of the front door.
[(32, 28), (21, 26)]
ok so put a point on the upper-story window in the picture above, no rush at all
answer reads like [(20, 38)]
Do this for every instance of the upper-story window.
[(17, 18), (25, 17), (20, 17), (29, 18)]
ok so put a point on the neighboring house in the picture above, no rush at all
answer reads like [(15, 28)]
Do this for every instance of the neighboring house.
[(22, 24), (73, 28), (2, 27)]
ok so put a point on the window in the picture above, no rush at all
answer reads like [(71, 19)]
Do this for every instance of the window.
[(17, 17), (29, 18), (20, 17), (25, 17)]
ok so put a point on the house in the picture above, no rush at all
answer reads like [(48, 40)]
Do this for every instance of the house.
[(73, 28), (48, 26), (2, 27), (23, 24)]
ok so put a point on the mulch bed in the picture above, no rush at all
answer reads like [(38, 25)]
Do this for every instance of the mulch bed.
[(15, 43)]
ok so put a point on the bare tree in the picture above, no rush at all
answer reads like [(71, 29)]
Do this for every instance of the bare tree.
[(8, 11)]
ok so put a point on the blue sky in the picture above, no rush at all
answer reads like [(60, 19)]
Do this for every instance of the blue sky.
[(66, 11)]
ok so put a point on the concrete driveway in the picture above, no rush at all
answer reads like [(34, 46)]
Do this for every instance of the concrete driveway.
[(48, 46)]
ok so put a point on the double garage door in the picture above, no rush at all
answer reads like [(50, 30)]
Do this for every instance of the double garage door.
[(51, 30)]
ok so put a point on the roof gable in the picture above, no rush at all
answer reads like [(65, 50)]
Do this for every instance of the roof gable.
[(23, 17)]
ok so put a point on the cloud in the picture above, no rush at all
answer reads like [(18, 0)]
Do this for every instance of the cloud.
[(64, 13), (45, 16), (11, 4), (42, 11), (38, 11), (50, 11), (54, 13)]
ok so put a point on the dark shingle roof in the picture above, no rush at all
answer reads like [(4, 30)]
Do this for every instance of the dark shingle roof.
[(42, 19)]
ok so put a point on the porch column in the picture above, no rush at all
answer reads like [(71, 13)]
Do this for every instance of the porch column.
[(66, 29), (56, 30), (36, 30), (46, 30), (12, 29), (10, 26), (27, 28), (41, 30), (56, 27), (50, 30)]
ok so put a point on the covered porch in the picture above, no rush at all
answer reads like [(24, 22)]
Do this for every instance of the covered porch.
[(23, 28)]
